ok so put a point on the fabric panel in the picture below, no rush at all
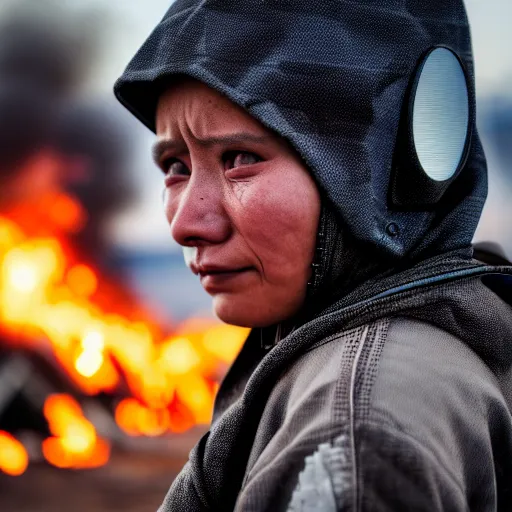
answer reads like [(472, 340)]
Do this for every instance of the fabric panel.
[(399, 475), (435, 389)]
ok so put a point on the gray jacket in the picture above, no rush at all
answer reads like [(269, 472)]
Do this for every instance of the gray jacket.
[(404, 411), (391, 390)]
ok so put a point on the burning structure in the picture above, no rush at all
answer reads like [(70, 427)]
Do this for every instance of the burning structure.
[(48, 305), (69, 327)]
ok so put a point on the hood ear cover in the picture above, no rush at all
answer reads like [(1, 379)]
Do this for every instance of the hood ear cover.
[(435, 132)]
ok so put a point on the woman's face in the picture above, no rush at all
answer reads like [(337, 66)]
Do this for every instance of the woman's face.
[(240, 196)]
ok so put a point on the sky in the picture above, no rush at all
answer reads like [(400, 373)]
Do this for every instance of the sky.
[(129, 22)]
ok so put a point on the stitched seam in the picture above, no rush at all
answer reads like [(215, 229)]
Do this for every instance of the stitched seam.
[(352, 411), (373, 359), (369, 363)]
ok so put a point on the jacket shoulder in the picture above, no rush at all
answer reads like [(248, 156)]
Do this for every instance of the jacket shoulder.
[(428, 382), (393, 406), (431, 395)]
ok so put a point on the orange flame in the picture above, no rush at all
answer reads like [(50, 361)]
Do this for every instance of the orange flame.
[(75, 443), (13, 456), (137, 419), (45, 294)]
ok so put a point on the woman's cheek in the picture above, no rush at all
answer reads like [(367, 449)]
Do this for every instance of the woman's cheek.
[(266, 216), (170, 205)]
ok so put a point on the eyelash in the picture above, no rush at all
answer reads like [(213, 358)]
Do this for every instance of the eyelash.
[(166, 164), (228, 155)]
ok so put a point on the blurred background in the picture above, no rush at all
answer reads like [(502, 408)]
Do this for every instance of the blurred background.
[(109, 354)]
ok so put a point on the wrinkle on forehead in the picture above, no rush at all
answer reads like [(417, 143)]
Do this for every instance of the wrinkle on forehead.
[(192, 110)]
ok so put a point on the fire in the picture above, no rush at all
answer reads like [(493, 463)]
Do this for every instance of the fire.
[(75, 443), (178, 356), (91, 359), (137, 419), (49, 298), (82, 280), (13, 456)]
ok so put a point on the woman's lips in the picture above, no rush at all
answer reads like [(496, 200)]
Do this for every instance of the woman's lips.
[(217, 280)]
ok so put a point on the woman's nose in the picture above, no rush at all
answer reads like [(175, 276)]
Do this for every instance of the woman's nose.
[(198, 216)]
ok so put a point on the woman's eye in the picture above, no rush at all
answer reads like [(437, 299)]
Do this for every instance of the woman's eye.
[(239, 158), (174, 167)]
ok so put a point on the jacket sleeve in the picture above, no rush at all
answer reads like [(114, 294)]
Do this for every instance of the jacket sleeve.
[(397, 473), (392, 473)]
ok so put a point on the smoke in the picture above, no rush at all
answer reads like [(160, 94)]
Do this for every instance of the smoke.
[(26, 126), (47, 47), (48, 52)]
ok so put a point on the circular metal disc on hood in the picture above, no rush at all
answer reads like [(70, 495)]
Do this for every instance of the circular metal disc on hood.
[(440, 109)]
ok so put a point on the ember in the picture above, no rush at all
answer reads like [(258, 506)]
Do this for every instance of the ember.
[(13, 456), (75, 443)]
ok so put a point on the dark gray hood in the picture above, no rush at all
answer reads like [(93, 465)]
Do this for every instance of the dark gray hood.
[(331, 77)]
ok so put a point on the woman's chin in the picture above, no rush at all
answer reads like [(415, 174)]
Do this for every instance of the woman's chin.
[(235, 311), (230, 311)]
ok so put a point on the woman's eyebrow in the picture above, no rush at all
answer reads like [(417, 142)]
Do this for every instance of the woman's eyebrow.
[(163, 145)]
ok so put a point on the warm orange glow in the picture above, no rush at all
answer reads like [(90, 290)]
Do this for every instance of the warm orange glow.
[(91, 359), (82, 280), (13, 456), (136, 419), (75, 443), (66, 213), (195, 393), (224, 341), (57, 454), (178, 356), (49, 297)]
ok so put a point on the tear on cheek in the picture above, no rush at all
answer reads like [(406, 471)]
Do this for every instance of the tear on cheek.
[(239, 192)]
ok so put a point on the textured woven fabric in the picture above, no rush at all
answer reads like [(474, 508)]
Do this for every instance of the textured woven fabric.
[(355, 385), (331, 77), (415, 407)]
